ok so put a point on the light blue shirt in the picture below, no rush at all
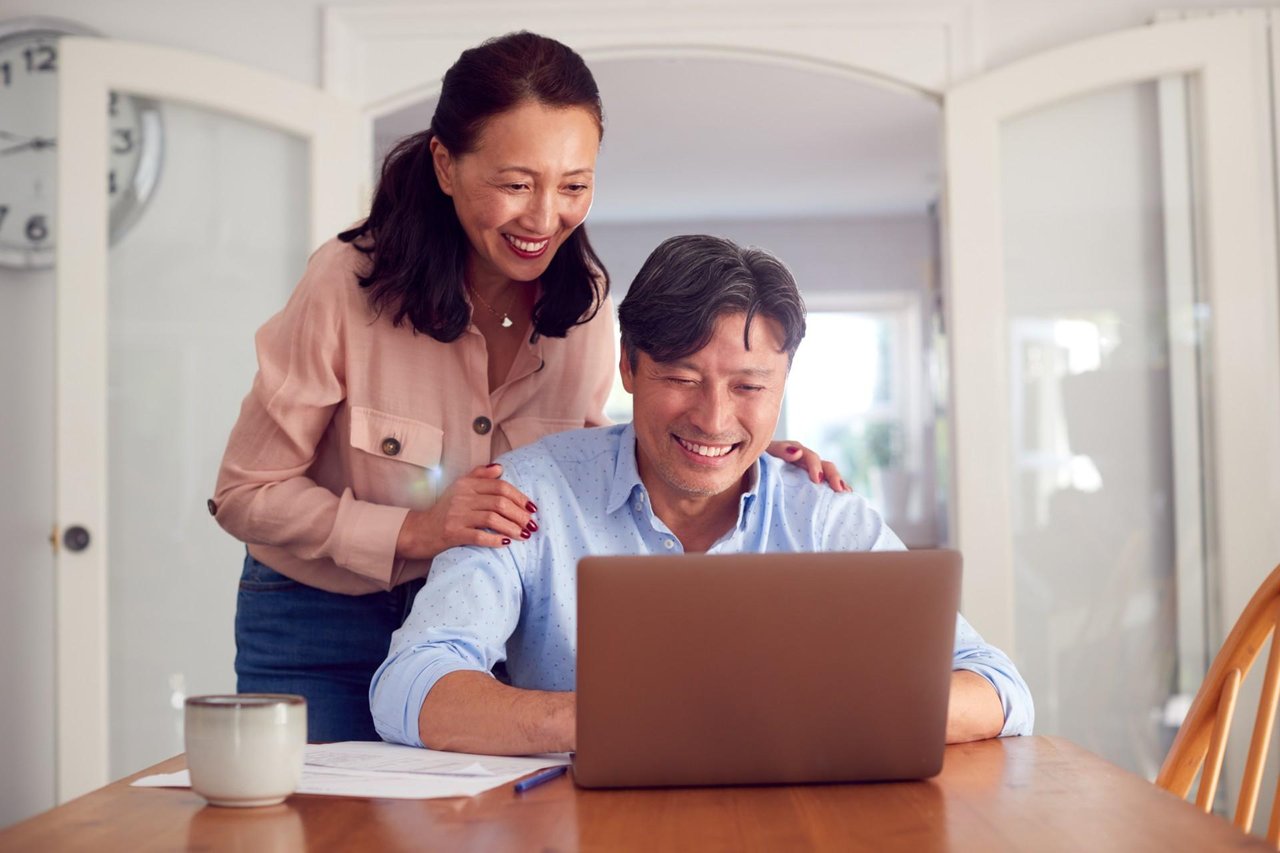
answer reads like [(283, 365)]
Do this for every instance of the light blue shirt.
[(481, 606)]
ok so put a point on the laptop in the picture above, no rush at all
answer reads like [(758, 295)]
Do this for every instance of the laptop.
[(742, 669)]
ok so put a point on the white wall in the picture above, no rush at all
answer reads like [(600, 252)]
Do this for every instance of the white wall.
[(825, 255)]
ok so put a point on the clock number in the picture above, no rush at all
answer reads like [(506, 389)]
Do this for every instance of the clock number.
[(111, 183), (37, 230), (6, 72), (48, 58), (4, 211), (113, 106), (123, 141)]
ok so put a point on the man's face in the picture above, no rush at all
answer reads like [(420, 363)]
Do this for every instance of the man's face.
[(702, 420)]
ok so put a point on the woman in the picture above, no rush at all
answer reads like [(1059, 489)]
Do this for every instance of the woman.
[(467, 315)]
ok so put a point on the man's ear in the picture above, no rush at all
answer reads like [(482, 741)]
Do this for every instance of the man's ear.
[(624, 367), (442, 160)]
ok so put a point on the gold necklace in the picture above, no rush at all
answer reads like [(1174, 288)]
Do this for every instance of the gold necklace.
[(506, 319)]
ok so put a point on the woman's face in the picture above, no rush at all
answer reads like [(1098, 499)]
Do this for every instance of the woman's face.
[(522, 191)]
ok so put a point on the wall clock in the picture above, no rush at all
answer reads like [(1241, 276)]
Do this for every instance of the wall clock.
[(29, 139)]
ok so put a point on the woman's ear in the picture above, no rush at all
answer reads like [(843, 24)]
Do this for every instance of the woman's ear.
[(443, 163)]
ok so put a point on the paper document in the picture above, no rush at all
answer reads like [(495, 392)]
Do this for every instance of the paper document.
[(369, 755), (357, 769)]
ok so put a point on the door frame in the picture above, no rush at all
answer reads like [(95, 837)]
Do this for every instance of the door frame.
[(1243, 444), (89, 69)]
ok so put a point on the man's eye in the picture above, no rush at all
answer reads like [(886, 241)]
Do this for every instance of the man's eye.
[(680, 380), (517, 187), (751, 388)]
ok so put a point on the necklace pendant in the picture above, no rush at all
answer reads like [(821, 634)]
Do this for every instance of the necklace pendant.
[(506, 322)]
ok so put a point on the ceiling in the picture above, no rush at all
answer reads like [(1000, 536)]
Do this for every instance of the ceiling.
[(730, 139)]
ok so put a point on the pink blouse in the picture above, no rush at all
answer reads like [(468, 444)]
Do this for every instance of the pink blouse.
[(351, 422)]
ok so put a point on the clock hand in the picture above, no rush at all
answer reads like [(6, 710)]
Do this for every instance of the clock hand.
[(36, 143), (7, 135)]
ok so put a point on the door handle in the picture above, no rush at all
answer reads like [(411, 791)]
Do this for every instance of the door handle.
[(75, 538)]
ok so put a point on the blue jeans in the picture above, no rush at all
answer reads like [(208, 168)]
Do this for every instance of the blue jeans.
[(294, 638)]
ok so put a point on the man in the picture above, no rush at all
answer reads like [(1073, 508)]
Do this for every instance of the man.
[(708, 334)]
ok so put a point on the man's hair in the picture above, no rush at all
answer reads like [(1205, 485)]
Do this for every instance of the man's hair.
[(688, 283)]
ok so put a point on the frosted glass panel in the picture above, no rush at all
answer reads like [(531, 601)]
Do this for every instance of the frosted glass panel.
[(1093, 422), (216, 251)]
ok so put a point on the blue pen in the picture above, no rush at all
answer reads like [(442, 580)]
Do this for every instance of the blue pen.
[(541, 776)]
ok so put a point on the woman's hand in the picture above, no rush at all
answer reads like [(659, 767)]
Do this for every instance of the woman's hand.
[(476, 509), (818, 468)]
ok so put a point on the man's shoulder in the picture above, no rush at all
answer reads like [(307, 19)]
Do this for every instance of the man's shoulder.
[(834, 520), (571, 448)]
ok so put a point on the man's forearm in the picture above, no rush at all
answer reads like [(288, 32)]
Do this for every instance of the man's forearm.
[(472, 712), (975, 711)]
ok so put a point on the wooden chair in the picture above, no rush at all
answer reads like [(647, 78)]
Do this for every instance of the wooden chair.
[(1202, 739)]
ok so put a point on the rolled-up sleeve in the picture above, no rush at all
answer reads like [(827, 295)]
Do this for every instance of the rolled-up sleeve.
[(461, 620), (975, 655)]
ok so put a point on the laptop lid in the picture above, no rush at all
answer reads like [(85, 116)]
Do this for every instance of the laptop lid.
[(764, 668)]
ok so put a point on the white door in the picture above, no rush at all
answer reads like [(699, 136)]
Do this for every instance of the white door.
[(154, 353), (1116, 372)]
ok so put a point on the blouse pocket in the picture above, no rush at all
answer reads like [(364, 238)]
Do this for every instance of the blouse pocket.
[(526, 430), (395, 438)]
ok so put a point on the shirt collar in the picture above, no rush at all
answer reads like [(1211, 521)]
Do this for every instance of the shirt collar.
[(626, 478)]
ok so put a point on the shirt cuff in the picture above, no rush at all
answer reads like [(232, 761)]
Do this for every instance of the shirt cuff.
[(1015, 698), (401, 685), (367, 542)]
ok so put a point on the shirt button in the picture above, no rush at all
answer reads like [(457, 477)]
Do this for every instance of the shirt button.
[(482, 425), (668, 544), (390, 446)]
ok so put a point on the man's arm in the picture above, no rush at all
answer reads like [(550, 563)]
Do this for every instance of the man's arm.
[(975, 712), (472, 712)]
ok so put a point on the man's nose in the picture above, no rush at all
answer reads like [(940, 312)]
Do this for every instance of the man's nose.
[(713, 413)]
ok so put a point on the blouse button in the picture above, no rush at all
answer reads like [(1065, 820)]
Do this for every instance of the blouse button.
[(482, 425), (668, 544), (390, 446)]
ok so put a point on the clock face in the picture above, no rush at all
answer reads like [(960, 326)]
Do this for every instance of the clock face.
[(28, 146)]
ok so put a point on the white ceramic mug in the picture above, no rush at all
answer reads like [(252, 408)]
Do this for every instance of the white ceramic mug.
[(245, 749)]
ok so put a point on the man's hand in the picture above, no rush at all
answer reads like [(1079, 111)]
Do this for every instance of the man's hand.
[(975, 712)]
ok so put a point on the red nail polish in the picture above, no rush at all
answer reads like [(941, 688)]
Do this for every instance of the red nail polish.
[(506, 541), (492, 465), (822, 476), (531, 506), (793, 449), (531, 526), (524, 534)]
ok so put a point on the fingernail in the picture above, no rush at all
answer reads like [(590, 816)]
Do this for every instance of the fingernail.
[(524, 534), (822, 475), (531, 526), (531, 506), (793, 449), (843, 487), (506, 541), (492, 465)]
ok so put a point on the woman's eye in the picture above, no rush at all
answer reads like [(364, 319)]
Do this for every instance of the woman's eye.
[(578, 188), (517, 187)]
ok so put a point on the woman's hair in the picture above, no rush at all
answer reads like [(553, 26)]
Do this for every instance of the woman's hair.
[(416, 244), (700, 279)]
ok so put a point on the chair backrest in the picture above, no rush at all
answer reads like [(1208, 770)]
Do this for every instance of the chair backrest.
[(1202, 739)]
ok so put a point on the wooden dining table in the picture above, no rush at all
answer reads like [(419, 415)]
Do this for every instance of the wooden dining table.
[(1032, 793)]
